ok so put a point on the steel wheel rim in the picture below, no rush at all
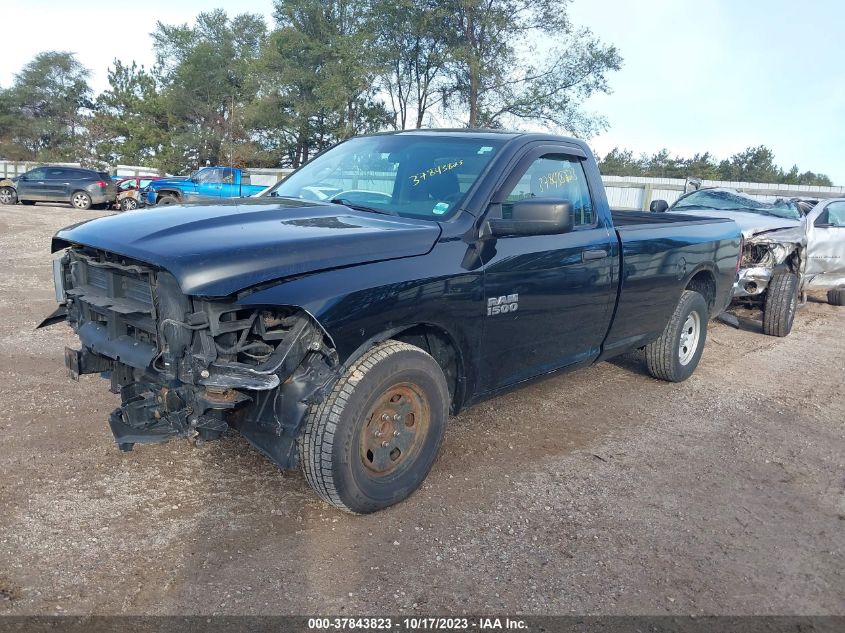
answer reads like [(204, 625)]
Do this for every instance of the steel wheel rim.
[(690, 335), (79, 201), (395, 429)]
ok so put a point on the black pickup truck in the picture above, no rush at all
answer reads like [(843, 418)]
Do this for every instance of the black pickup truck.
[(337, 321)]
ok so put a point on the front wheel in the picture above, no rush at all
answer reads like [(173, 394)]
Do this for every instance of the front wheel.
[(166, 201), (675, 355), (80, 200), (128, 204), (8, 195), (780, 304), (836, 296), (372, 442)]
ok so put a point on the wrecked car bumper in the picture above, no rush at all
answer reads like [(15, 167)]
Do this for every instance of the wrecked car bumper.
[(186, 366)]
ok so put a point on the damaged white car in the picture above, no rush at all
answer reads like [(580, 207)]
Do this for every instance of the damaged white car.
[(785, 252)]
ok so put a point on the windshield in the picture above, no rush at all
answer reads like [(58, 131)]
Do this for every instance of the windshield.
[(732, 201), (417, 176)]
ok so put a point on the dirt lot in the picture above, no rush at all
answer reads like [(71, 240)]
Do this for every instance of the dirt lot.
[(604, 491)]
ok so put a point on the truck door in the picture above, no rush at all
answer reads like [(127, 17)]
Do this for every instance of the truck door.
[(548, 298), (826, 243), (209, 182)]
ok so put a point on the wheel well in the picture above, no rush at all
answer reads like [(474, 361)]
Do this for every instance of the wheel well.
[(442, 348), (704, 284), (169, 192)]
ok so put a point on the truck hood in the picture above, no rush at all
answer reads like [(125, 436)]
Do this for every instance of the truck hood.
[(217, 250), (749, 223)]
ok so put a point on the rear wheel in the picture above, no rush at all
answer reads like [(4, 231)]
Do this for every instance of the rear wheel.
[(167, 200), (780, 304), (80, 200), (8, 195), (675, 355), (836, 296), (372, 442)]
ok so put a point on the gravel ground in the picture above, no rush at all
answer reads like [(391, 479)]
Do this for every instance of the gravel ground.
[(603, 492)]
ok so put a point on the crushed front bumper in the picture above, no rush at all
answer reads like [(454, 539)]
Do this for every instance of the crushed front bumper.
[(188, 367)]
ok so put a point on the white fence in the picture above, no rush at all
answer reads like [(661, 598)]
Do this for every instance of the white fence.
[(624, 192)]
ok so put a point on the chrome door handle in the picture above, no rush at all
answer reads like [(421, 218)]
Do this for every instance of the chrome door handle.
[(592, 254)]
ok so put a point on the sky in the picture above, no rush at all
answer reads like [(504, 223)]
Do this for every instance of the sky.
[(698, 75)]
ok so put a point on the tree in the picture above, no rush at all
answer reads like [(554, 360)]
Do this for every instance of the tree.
[(43, 115), (413, 44), (208, 77), (321, 75), (496, 85), (619, 162), (130, 124), (755, 164)]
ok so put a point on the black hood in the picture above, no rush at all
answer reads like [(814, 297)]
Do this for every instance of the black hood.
[(217, 250)]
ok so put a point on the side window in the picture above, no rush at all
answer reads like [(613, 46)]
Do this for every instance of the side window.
[(555, 176), (145, 183), (37, 174), (227, 176), (213, 176), (833, 215), (57, 173), (126, 185)]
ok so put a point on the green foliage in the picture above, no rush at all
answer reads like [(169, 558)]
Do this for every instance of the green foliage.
[(228, 90), (755, 164), (501, 78), (44, 113)]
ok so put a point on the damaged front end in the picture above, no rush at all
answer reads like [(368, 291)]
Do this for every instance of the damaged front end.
[(762, 255), (186, 366)]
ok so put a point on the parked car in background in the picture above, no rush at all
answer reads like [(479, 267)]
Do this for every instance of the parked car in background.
[(82, 188), (203, 185), (8, 191), (338, 334), (786, 249), (129, 195)]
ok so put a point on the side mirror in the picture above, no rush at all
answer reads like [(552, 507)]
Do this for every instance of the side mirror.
[(23, 177), (535, 216), (658, 206)]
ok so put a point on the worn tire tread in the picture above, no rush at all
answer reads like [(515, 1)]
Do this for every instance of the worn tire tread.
[(783, 287), (836, 296), (317, 439), (660, 354)]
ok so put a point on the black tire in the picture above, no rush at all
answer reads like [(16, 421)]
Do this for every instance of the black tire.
[(80, 200), (28, 203), (344, 459), (128, 204), (8, 195), (836, 296), (167, 200), (672, 357), (780, 304)]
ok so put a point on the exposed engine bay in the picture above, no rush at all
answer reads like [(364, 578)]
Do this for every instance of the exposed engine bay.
[(187, 366), (762, 254)]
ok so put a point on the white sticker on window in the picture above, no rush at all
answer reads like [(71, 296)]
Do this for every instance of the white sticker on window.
[(440, 208), (485, 149)]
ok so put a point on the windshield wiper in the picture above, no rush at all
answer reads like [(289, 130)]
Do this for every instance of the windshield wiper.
[(361, 207)]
